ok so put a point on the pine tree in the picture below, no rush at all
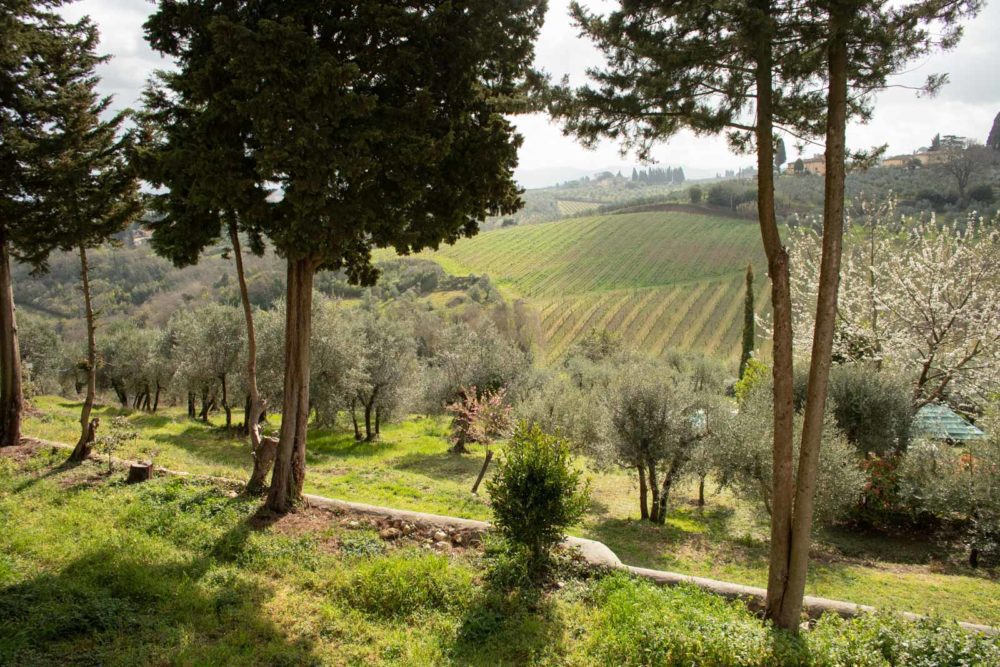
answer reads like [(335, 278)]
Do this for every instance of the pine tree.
[(749, 336), (378, 124), (44, 59), (775, 58)]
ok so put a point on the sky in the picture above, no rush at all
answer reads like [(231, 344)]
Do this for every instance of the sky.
[(965, 107)]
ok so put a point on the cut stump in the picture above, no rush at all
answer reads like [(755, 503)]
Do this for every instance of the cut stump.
[(139, 472)]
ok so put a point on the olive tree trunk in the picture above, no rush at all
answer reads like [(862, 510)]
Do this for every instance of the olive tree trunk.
[(86, 442), (789, 614), (290, 462), (11, 392)]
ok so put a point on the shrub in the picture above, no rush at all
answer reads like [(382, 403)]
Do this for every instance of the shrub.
[(742, 450), (959, 486), (536, 494), (695, 194), (402, 584), (872, 407), (638, 623)]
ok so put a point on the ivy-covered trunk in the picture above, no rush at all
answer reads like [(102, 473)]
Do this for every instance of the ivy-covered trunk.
[(87, 435), (290, 462), (11, 393)]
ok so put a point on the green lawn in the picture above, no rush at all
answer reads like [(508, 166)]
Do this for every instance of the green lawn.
[(411, 468), (180, 571)]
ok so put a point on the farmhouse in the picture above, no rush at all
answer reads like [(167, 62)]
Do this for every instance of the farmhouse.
[(815, 165)]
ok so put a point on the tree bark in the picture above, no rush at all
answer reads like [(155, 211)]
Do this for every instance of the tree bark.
[(290, 463), (225, 402), (482, 471), (354, 419), (191, 409), (654, 491), (87, 436), (701, 491), (790, 611), (369, 407), (783, 484), (263, 453), (643, 493), (156, 400), (11, 392)]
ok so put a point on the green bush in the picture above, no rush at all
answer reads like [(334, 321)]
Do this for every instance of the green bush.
[(402, 584), (872, 407), (536, 494), (638, 623)]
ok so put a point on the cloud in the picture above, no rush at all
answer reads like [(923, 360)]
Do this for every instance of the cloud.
[(965, 107)]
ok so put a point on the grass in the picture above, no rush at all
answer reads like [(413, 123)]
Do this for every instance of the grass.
[(182, 572), (657, 279), (411, 469)]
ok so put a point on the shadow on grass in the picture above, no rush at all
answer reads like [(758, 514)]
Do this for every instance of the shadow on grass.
[(496, 630), (211, 447), (442, 466), (129, 609)]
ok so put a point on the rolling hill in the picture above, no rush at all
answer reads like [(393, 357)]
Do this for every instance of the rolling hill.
[(659, 280)]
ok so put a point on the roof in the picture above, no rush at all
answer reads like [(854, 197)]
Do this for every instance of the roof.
[(942, 423)]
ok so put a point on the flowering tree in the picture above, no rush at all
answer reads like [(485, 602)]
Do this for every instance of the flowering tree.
[(915, 293), (480, 419)]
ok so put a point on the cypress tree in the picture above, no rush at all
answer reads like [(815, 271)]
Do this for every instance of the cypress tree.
[(45, 63), (355, 126), (748, 323), (993, 140)]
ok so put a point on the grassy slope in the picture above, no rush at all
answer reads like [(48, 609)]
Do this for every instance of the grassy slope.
[(411, 469), (657, 279), (180, 572)]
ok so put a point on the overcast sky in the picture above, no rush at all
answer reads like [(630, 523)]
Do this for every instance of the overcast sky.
[(965, 107)]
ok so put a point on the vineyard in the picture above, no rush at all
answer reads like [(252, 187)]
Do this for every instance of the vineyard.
[(575, 206), (659, 280)]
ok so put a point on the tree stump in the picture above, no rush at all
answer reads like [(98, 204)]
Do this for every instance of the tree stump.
[(139, 472)]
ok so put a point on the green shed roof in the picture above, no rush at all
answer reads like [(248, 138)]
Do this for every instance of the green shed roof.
[(942, 423)]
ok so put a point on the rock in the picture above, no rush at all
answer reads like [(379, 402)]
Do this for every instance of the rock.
[(457, 539), (389, 533), (442, 546), (353, 524), (407, 528), (232, 494), (440, 536)]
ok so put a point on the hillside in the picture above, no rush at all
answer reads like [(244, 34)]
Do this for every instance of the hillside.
[(658, 279)]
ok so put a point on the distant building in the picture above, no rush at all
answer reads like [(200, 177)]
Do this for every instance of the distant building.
[(815, 165), (900, 161)]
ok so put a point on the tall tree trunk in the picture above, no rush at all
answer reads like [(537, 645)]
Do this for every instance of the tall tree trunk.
[(643, 493), (783, 484), (156, 400), (11, 393), (262, 460), (86, 441), (701, 491), (378, 422), (146, 405), (826, 313), (191, 409), (290, 463), (203, 415)]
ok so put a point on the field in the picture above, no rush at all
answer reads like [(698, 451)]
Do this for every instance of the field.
[(659, 280), (575, 206), (411, 469)]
